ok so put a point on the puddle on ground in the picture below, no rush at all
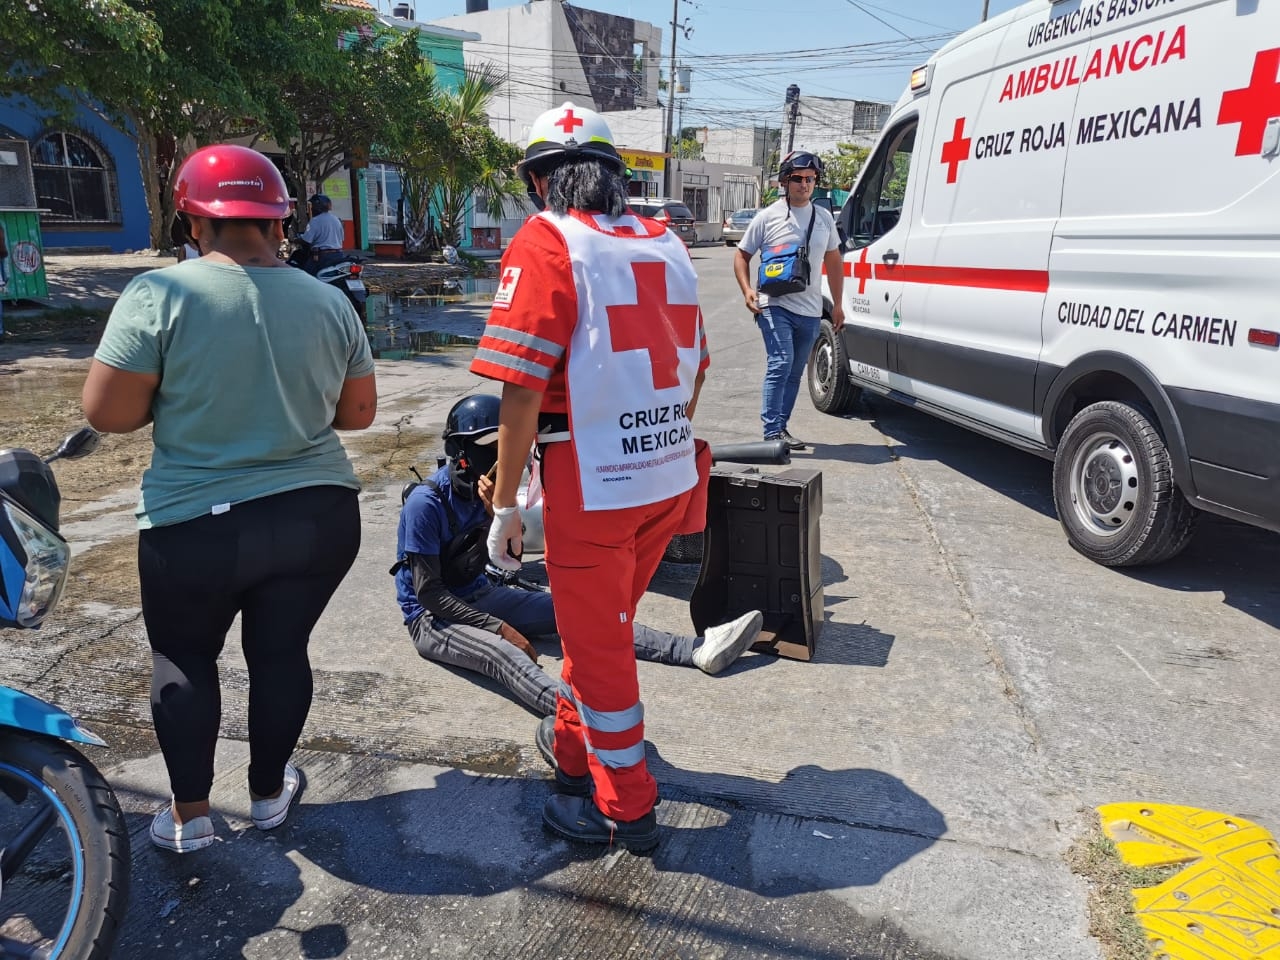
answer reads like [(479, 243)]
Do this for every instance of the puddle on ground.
[(446, 314)]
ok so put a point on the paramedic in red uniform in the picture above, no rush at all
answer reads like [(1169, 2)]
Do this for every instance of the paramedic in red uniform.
[(596, 335)]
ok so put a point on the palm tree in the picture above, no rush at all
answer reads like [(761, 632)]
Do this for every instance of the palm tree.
[(471, 160)]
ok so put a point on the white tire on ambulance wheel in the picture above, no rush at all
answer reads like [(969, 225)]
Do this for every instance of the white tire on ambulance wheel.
[(1114, 489), (830, 388)]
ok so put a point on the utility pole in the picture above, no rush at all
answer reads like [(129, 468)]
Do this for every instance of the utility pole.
[(680, 134), (671, 92), (793, 113)]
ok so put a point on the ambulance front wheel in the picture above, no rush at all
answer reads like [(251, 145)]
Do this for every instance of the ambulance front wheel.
[(830, 388), (1114, 489)]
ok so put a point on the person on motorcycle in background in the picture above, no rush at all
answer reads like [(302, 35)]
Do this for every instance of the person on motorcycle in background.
[(324, 235), (245, 368), (458, 616)]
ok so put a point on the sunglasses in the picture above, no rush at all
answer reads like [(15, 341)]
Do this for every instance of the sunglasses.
[(804, 180)]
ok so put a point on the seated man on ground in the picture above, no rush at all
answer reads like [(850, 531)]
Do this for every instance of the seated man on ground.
[(458, 616)]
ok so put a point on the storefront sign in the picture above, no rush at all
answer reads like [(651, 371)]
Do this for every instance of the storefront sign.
[(643, 161)]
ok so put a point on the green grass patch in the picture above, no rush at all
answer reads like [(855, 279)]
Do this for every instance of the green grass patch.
[(1111, 884)]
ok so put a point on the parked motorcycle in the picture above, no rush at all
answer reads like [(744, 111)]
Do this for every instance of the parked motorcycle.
[(64, 846), (343, 273)]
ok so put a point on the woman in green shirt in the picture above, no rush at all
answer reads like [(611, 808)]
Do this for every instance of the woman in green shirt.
[(245, 368)]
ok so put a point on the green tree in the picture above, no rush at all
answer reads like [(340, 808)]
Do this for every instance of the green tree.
[(843, 165), (57, 48), (456, 159), (358, 90), (689, 147), (175, 74), (226, 75)]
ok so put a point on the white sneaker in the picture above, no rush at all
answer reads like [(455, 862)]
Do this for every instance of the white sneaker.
[(270, 813), (727, 642), (167, 834)]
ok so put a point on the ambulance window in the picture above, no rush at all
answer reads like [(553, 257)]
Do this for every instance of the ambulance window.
[(876, 205)]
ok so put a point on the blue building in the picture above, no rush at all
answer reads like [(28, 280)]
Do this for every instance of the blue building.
[(88, 181)]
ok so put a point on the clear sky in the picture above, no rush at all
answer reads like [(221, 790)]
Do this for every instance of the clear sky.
[(744, 53)]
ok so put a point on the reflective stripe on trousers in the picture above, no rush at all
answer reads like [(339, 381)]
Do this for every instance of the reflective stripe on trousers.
[(599, 564), (596, 722)]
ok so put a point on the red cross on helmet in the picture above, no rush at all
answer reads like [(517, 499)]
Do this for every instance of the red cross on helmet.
[(565, 132), (229, 182)]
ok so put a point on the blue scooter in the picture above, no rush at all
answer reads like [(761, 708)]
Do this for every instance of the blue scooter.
[(64, 846)]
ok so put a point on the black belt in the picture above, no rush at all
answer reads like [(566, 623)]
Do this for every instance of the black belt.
[(552, 427)]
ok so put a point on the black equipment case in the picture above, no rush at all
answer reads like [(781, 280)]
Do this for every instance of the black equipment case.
[(761, 551)]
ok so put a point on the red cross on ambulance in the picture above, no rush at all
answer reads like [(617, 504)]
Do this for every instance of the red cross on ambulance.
[(1254, 106), (956, 150), (654, 323), (862, 271)]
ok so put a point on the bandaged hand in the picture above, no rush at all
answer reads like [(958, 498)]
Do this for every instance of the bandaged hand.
[(506, 538)]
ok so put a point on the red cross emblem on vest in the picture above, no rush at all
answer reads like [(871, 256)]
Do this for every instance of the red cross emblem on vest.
[(654, 323), (569, 123), (1255, 105)]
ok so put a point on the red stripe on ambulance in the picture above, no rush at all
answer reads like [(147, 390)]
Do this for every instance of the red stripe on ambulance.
[(985, 278)]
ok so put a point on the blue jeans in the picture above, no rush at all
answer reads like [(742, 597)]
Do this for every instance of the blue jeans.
[(788, 338)]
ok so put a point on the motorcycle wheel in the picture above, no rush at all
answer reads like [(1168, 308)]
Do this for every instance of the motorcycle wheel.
[(64, 870)]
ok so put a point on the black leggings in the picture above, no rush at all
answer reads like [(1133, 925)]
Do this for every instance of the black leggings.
[(276, 561)]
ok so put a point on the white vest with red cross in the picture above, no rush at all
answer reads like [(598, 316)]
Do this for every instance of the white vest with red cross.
[(632, 361)]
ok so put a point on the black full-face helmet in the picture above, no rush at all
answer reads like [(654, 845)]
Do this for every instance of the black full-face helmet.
[(471, 441)]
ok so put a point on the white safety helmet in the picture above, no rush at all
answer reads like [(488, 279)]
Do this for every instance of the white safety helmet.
[(565, 132)]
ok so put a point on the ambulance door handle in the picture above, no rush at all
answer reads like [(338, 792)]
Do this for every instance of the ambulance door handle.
[(890, 256)]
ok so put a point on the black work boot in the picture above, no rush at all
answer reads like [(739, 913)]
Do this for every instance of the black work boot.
[(545, 737), (578, 818)]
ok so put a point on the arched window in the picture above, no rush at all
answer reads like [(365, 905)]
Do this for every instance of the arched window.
[(75, 182)]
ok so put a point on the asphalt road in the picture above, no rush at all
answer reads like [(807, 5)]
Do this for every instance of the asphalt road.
[(978, 688)]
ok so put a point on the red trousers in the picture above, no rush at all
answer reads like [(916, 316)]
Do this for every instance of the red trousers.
[(599, 564)]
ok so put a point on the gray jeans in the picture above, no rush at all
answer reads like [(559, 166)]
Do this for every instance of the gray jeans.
[(532, 614)]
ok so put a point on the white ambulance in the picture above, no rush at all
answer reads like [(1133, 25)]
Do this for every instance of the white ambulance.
[(1068, 238)]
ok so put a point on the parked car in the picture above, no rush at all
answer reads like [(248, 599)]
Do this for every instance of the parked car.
[(677, 217), (735, 225)]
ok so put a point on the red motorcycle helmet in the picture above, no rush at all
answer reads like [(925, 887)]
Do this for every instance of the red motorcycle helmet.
[(229, 182)]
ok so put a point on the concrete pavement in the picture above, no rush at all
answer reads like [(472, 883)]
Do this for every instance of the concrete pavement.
[(909, 794)]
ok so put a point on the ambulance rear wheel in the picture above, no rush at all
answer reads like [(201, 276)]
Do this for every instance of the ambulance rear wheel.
[(830, 388), (1114, 489)]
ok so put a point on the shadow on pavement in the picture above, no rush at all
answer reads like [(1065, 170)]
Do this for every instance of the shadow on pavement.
[(1224, 555), (1235, 559), (411, 863)]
